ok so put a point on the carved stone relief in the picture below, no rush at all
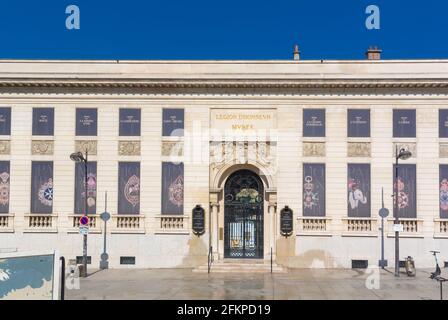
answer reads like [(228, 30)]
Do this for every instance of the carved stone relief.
[(129, 148), (5, 147), (43, 147), (314, 149), (89, 145), (359, 149)]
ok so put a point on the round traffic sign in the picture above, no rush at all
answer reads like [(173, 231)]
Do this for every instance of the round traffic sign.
[(384, 212), (84, 221), (105, 216), (104, 256)]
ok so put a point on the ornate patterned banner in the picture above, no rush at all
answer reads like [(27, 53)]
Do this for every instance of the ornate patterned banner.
[(443, 191), (43, 121), (42, 187), (5, 121), (86, 121), (358, 190), (172, 188), (443, 123), (358, 123), (130, 122), (404, 123), (173, 122), (129, 188), (314, 122), (80, 193), (313, 190), (4, 186), (407, 191)]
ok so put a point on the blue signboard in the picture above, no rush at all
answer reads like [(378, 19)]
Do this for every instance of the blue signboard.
[(130, 122), (173, 122), (86, 122), (404, 123), (43, 121), (314, 122), (358, 123), (443, 123), (5, 121)]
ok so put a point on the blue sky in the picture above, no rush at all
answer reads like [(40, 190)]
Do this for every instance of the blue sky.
[(230, 29)]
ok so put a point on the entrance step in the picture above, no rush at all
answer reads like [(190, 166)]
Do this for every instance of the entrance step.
[(241, 266)]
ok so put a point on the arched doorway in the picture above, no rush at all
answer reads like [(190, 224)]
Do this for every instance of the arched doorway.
[(243, 216)]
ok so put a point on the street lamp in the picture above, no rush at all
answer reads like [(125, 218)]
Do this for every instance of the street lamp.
[(402, 155), (79, 157)]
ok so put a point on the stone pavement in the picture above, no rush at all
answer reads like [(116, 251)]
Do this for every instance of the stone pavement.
[(307, 284)]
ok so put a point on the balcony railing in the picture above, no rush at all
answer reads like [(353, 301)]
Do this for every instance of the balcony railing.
[(412, 227), (6, 223), (41, 222), (313, 225), (124, 223), (177, 224)]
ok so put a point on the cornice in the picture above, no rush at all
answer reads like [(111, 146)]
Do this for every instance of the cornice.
[(227, 84)]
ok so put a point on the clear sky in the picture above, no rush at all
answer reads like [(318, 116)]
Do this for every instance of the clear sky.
[(226, 29)]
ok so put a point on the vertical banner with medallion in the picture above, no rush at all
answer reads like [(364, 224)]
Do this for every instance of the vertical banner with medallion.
[(407, 191), (130, 122), (358, 123), (404, 123), (42, 187), (4, 186), (5, 121), (443, 191), (313, 190), (173, 122), (80, 188), (129, 188), (172, 188), (358, 190), (86, 122), (43, 121), (314, 122)]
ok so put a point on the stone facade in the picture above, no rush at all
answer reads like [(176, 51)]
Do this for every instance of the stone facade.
[(282, 88)]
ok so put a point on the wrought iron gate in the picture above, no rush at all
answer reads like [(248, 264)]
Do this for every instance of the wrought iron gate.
[(243, 219)]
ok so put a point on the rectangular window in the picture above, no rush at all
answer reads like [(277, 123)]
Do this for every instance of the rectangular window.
[(172, 188), (173, 122), (443, 191), (129, 188), (43, 121), (358, 190), (127, 260), (80, 188), (314, 122), (358, 123), (443, 123), (86, 122), (407, 191), (404, 123), (4, 186), (313, 190), (130, 122), (42, 187), (5, 121)]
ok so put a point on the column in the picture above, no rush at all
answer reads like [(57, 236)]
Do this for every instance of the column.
[(215, 229)]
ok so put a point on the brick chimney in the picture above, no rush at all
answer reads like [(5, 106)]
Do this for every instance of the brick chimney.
[(296, 52), (373, 53)]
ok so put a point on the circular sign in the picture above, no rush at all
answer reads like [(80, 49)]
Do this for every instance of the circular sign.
[(104, 256), (383, 212), (105, 216), (84, 221)]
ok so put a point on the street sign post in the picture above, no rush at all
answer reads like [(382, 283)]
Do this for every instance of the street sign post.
[(84, 225)]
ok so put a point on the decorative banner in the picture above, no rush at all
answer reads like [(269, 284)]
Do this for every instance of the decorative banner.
[(43, 121), (407, 191), (313, 190), (358, 190), (443, 123), (173, 122), (5, 121), (4, 186), (129, 188), (86, 122), (172, 188), (80, 193), (42, 187), (130, 122), (404, 123), (443, 191), (314, 122), (358, 123)]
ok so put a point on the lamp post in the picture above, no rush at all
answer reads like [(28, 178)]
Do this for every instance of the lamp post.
[(79, 157), (403, 155)]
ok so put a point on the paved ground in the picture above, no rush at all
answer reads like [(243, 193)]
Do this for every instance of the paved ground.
[(305, 284)]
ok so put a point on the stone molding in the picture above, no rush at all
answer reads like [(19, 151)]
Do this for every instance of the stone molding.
[(42, 147), (314, 149), (89, 145), (129, 148), (5, 147), (358, 149)]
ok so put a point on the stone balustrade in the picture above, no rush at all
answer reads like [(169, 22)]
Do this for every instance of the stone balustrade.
[(124, 223), (41, 222), (173, 224), (313, 225)]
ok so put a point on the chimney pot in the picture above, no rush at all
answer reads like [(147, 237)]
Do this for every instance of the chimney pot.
[(373, 53), (296, 52)]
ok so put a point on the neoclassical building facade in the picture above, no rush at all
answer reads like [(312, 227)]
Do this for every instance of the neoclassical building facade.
[(242, 139)]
